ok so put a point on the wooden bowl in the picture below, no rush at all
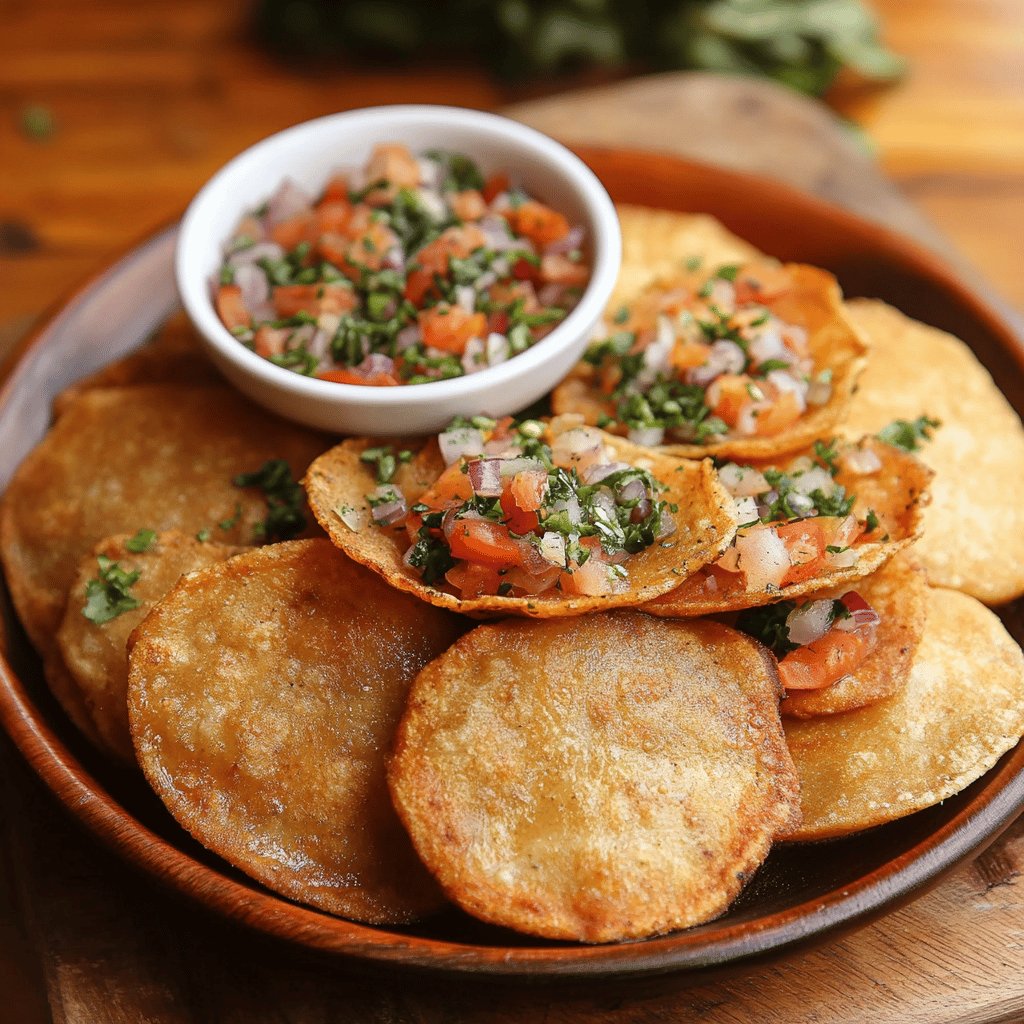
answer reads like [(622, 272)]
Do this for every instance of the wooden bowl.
[(801, 894)]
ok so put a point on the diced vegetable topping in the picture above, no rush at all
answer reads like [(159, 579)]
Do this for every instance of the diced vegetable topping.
[(525, 508), (908, 434), (708, 359), (108, 595), (798, 522), (409, 270), (817, 642)]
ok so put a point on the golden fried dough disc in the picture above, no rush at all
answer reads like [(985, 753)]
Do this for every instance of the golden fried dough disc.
[(604, 778), (974, 530), (897, 494), (263, 695), (814, 302), (338, 481), (118, 460), (899, 593), (962, 708), (658, 243), (95, 654), (172, 356)]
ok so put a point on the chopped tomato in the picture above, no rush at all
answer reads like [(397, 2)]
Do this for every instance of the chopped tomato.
[(805, 544), (592, 578), (354, 252), (230, 307), (728, 396), (346, 375), (435, 259), (332, 218), (392, 163), (558, 269), (473, 580), (826, 661), (468, 205), (290, 232), (528, 489), (269, 341), (781, 413), (538, 222), (313, 299), (450, 328), (526, 270), (451, 488), (494, 186), (517, 519), (337, 189), (687, 355), (484, 542)]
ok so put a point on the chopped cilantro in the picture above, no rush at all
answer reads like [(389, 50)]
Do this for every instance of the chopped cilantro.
[(285, 518), (908, 434), (621, 315), (871, 521), (107, 594), (141, 541), (230, 524), (768, 624), (826, 454), (203, 535)]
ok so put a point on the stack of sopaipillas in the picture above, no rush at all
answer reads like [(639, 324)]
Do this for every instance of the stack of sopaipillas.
[(722, 612)]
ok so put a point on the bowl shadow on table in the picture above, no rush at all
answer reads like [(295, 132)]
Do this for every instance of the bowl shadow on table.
[(793, 874)]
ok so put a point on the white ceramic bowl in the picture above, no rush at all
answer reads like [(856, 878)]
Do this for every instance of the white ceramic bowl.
[(307, 154)]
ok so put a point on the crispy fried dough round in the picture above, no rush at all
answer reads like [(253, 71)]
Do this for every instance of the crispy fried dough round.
[(658, 243), (263, 695), (897, 494), (962, 708), (705, 523), (172, 356), (814, 302), (899, 593), (974, 529), (598, 779), (148, 456), (95, 654)]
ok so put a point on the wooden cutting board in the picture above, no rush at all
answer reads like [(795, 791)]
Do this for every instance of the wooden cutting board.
[(114, 949)]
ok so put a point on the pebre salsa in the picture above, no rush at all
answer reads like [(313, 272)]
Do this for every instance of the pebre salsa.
[(412, 269)]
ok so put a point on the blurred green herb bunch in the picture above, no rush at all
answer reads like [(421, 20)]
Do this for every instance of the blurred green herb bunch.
[(803, 43)]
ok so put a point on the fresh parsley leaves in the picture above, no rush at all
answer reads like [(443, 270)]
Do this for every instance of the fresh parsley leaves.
[(107, 594), (908, 434)]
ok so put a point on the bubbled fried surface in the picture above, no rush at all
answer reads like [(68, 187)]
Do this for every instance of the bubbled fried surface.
[(159, 457), (705, 522), (601, 778), (974, 529), (961, 709), (263, 695), (95, 655)]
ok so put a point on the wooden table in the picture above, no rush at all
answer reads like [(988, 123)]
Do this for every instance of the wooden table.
[(149, 98)]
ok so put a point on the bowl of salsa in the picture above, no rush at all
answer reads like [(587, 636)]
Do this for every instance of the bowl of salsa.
[(383, 270)]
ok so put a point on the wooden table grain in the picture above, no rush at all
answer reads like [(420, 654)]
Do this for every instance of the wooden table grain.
[(148, 98)]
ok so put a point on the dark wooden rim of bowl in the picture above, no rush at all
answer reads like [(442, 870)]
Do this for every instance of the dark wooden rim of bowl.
[(980, 821)]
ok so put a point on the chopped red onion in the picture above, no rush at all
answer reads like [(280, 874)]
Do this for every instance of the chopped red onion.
[(374, 363), (485, 477), (746, 510), (461, 441), (862, 461), (724, 357), (573, 240), (843, 559), (254, 284), (820, 389), (571, 507), (817, 478), (551, 295), (497, 347), (474, 357), (552, 548), (326, 328), (407, 336), (465, 297), (762, 557), (353, 518), (514, 466), (632, 490), (809, 622), (595, 474), (255, 253), (742, 481), (287, 202), (648, 437), (390, 511)]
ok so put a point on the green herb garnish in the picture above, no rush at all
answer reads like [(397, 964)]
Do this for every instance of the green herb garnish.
[(285, 499), (107, 594), (141, 541)]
